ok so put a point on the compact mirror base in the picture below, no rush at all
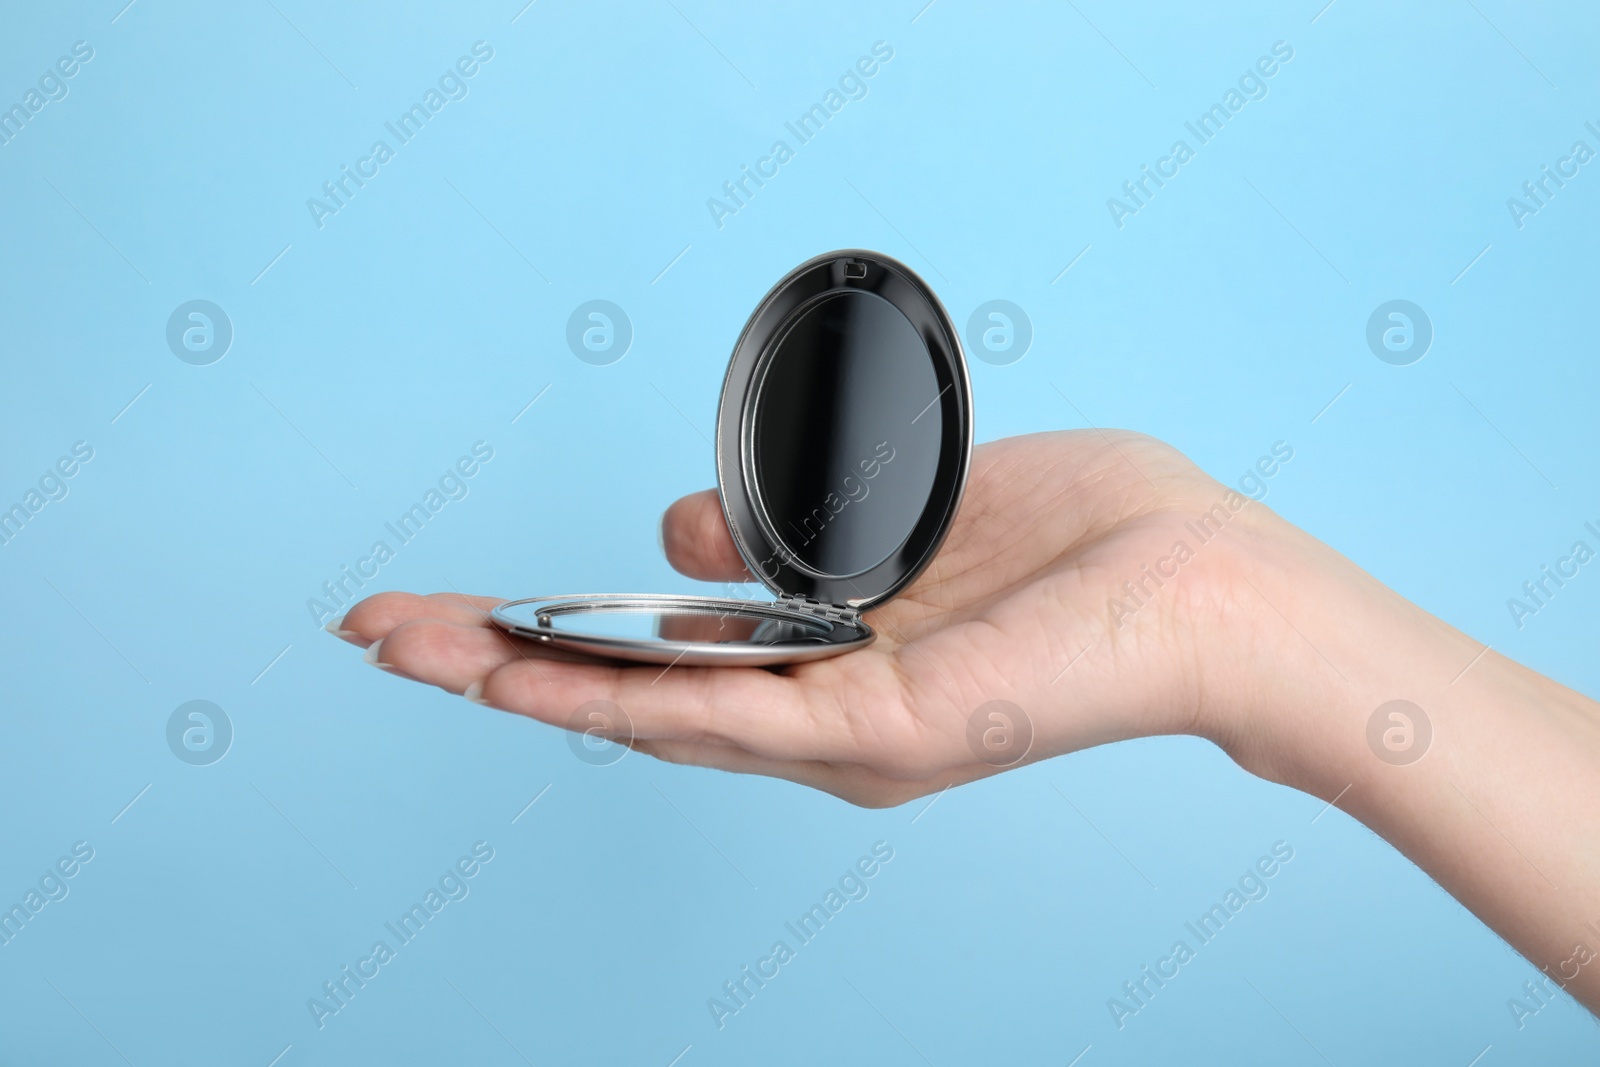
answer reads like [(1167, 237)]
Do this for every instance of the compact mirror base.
[(681, 630)]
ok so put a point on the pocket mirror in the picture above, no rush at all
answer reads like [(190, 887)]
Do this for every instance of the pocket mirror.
[(844, 434)]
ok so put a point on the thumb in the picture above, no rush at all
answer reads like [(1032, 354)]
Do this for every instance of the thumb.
[(695, 535)]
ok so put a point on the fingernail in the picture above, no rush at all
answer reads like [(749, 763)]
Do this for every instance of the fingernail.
[(371, 656), (336, 628), (661, 535), (474, 693)]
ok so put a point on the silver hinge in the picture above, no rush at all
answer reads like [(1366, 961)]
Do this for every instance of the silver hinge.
[(807, 606)]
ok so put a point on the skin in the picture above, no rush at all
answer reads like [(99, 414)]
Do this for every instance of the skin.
[(1263, 640)]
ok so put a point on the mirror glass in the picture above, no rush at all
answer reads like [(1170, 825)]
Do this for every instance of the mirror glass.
[(846, 431), (659, 622)]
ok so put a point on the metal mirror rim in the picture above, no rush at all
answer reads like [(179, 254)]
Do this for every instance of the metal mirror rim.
[(843, 636), (836, 272)]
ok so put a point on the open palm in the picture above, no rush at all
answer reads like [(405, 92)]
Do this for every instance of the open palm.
[(1008, 647)]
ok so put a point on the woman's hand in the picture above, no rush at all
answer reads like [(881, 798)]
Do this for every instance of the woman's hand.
[(1016, 608), (1103, 588)]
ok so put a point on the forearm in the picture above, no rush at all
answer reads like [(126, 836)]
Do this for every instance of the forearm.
[(1501, 805)]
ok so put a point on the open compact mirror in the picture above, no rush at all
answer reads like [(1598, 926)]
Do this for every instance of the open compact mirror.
[(843, 440)]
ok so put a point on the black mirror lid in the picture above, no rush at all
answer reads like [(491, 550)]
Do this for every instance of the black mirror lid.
[(771, 555)]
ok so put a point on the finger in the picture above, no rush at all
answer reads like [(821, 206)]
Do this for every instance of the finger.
[(449, 654), (767, 714), (772, 715), (695, 534), (857, 785), (374, 618)]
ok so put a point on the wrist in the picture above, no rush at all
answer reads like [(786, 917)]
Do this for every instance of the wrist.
[(1483, 778), (1332, 682)]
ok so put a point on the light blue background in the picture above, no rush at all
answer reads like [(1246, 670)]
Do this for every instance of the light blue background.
[(423, 318)]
